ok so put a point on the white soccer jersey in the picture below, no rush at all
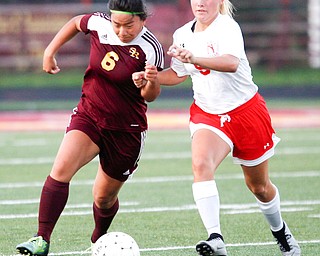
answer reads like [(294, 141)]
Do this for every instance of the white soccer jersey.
[(216, 92)]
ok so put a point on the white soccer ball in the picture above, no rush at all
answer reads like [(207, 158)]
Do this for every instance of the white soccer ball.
[(116, 244)]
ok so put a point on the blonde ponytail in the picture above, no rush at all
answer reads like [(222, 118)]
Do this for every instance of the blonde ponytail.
[(227, 8)]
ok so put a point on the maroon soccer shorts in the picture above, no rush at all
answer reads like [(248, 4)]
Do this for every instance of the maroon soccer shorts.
[(119, 151), (247, 130)]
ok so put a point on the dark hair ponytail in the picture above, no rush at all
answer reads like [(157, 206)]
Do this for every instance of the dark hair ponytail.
[(134, 7)]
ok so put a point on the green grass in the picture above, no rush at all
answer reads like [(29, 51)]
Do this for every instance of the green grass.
[(293, 76), (162, 181), (161, 103), (65, 79)]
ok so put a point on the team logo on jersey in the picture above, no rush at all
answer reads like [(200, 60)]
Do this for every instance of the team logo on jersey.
[(211, 49), (134, 53), (104, 37), (126, 173), (224, 118)]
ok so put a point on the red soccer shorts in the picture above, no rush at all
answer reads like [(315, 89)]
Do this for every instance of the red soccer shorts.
[(247, 130)]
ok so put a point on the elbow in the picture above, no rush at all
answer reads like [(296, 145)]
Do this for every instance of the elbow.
[(234, 65), (231, 64), (149, 97), (233, 69)]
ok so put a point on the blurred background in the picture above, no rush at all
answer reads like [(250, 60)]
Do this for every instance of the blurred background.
[(282, 40)]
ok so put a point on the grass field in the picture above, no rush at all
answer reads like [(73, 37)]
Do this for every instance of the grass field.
[(157, 207), (293, 76)]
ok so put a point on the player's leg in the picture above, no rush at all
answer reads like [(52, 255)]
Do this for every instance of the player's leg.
[(258, 182), (119, 157), (106, 204), (268, 198), (208, 151), (75, 151)]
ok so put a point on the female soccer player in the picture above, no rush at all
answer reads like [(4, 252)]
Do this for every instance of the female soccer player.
[(110, 119), (227, 115)]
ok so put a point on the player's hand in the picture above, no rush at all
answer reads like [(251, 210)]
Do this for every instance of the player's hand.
[(50, 65), (150, 73), (181, 54), (138, 79)]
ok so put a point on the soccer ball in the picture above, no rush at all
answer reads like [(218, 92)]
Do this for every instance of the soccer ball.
[(116, 244)]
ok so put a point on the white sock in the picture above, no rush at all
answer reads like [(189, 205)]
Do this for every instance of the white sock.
[(206, 197), (271, 211)]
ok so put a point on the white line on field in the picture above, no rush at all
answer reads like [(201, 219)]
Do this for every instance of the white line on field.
[(226, 209), (165, 140), (161, 179), (228, 245), (68, 206), (155, 156), (314, 216), (131, 203), (174, 248)]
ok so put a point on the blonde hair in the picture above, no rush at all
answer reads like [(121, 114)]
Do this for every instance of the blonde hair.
[(227, 8)]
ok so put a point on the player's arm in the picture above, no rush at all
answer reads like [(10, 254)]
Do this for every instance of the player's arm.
[(223, 63), (169, 77), (165, 77), (68, 31), (148, 83)]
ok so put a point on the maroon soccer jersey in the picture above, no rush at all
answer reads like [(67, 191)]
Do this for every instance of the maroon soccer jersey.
[(109, 95)]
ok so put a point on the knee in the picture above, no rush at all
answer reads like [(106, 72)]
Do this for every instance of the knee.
[(258, 190), (263, 192), (203, 169), (104, 201)]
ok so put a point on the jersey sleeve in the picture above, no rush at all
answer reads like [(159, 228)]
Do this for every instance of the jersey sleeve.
[(92, 21), (157, 59), (84, 23), (154, 53), (177, 65)]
